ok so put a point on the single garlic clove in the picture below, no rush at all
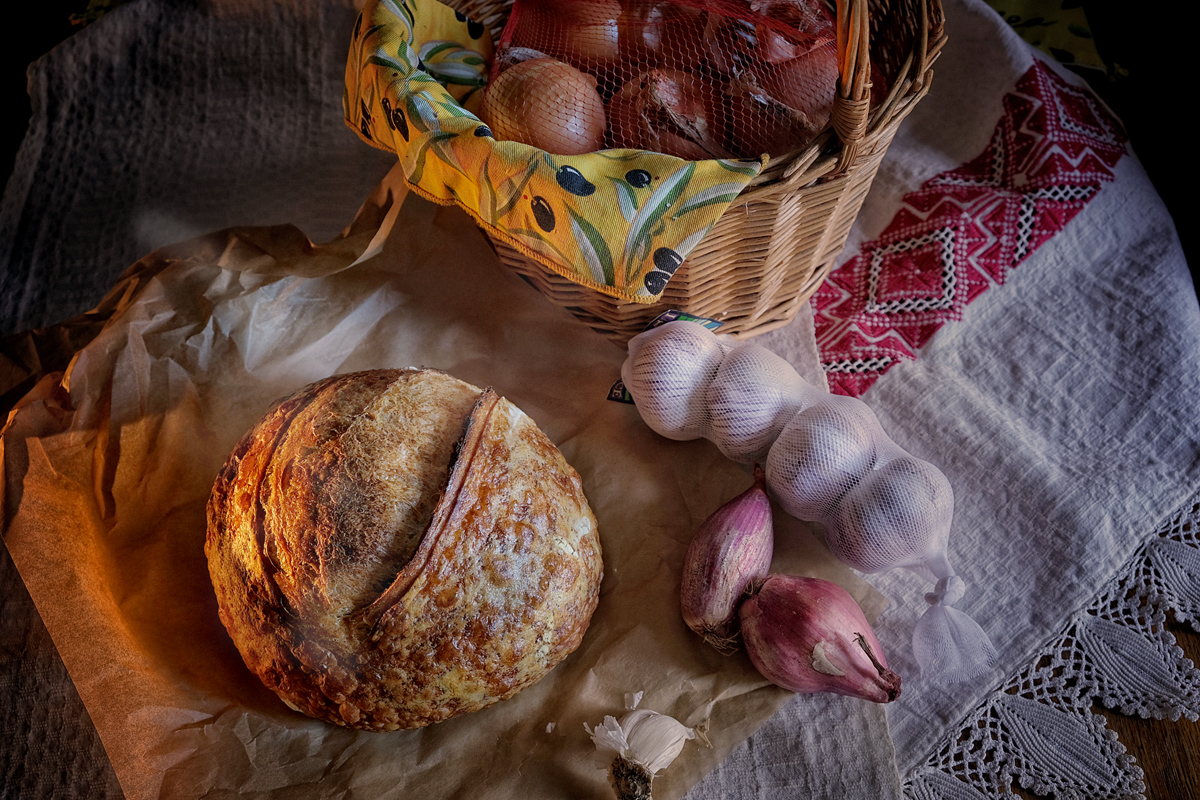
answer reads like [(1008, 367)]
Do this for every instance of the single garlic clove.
[(655, 740), (809, 635), (752, 397), (667, 372), (730, 553)]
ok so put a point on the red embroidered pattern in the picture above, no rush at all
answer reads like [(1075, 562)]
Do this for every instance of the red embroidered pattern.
[(963, 230)]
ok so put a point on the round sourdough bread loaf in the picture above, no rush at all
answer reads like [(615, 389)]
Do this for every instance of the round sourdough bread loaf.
[(395, 547)]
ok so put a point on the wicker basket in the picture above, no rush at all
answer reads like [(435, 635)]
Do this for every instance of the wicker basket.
[(777, 242)]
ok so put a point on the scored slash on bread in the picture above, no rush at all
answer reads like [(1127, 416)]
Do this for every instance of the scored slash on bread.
[(464, 453)]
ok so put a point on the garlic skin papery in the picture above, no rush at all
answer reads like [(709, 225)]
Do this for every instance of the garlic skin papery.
[(809, 635), (730, 553), (645, 742)]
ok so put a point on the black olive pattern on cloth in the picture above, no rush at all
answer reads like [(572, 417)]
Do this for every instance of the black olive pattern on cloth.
[(618, 221)]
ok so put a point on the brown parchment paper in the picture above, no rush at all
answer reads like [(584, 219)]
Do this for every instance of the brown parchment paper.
[(107, 468)]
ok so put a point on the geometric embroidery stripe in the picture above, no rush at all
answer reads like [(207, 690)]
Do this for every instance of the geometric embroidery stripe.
[(962, 231)]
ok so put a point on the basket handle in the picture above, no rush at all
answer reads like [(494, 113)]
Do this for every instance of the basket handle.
[(852, 103)]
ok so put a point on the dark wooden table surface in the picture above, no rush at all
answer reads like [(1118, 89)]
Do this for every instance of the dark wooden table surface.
[(1145, 93), (1168, 752)]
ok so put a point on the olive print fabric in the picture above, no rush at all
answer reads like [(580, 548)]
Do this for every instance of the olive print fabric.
[(618, 221)]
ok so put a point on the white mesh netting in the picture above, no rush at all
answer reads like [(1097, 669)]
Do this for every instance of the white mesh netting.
[(827, 460), (696, 79)]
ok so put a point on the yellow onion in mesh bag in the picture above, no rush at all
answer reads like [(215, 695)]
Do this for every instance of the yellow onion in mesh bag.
[(584, 34), (662, 33), (762, 124), (806, 84), (780, 74), (548, 104)]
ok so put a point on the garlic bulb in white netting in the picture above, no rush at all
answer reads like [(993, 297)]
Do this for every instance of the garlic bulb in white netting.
[(898, 516), (822, 452), (751, 398), (880, 508), (689, 383), (668, 372)]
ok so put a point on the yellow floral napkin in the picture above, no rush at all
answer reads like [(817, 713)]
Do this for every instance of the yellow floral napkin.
[(618, 221)]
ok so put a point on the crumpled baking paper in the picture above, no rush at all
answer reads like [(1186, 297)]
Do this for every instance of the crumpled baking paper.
[(107, 469)]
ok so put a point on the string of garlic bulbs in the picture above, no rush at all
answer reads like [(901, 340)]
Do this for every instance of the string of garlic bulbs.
[(827, 460)]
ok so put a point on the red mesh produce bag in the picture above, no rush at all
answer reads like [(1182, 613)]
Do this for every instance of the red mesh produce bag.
[(696, 79)]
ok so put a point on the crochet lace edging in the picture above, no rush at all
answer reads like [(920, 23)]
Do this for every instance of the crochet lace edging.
[(1038, 731)]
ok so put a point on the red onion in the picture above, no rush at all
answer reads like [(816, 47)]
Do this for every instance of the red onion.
[(809, 635), (669, 111)]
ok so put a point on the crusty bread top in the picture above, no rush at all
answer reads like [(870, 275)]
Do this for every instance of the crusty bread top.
[(391, 548)]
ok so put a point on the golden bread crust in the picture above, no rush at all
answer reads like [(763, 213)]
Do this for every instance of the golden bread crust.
[(395, 547)]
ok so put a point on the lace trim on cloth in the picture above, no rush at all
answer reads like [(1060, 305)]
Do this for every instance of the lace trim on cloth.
[(1039, 731)]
